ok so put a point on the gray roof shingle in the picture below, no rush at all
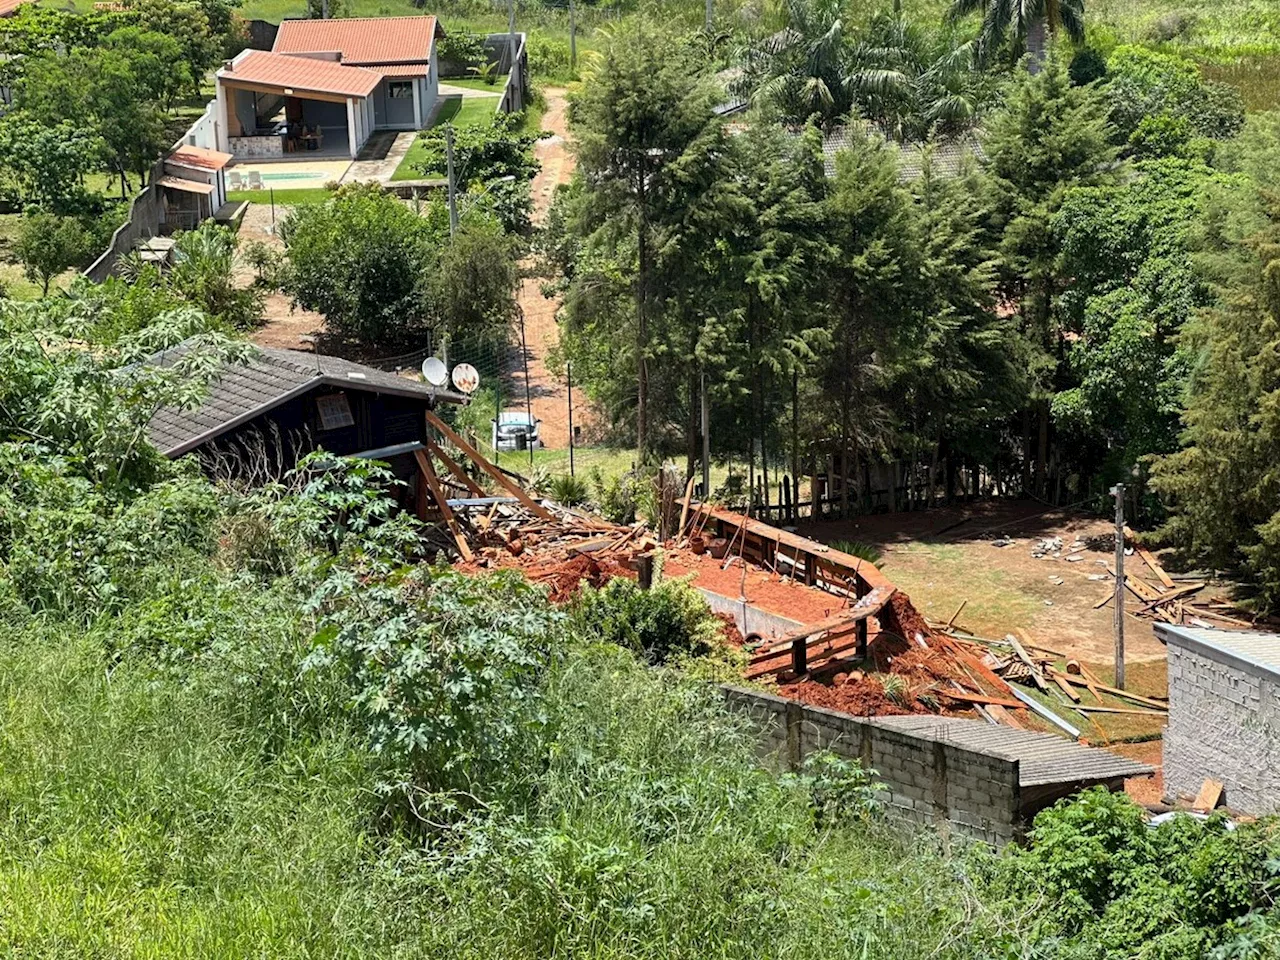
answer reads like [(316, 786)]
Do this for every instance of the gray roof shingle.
[(272, 376), (1044, 758)]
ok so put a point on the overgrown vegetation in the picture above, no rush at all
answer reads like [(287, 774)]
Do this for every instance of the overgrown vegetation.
[(209, 686)]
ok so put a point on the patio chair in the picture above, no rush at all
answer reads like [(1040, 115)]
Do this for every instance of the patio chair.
[(255, 180), (234, 180)]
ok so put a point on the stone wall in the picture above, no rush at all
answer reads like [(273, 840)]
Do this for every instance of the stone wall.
[(923, 778), (1224, 723)]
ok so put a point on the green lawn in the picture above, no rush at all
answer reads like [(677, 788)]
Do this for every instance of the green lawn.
[(461, 112)]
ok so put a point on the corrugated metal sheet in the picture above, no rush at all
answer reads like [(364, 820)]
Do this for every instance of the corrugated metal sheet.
[(1042, 757), (1254, 647), (302, 74), (243, 392), (361, 40)]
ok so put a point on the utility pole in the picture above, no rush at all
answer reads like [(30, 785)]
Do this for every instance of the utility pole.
[(710, 16), (706, 442), (568, 376), (1118, 492), (453, 187), (568, 373), (573, 39), (528, 398)]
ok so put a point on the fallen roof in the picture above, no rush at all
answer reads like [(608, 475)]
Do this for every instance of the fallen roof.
[(1251, 649), (198, 158), (304, 74), (1043, 758), (245, 391), (362, 41)]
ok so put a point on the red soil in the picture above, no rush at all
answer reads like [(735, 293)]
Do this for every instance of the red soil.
[(767, 591)]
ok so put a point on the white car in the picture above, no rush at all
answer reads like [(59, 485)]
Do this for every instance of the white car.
[(515, 430)]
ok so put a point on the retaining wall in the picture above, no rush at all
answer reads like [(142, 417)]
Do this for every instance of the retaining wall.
[(923, 778), (1224, 723)]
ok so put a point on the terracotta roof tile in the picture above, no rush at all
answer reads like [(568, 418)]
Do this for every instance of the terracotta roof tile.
[(304, 74), (199, 158), (362, 41)]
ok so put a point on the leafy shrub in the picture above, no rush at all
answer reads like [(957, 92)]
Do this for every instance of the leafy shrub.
[(444, 672), (660, 623), (1087, 65), (569, 491), (856, 548), (462, 47), (1172, 25), (616, 496), (843, 792)]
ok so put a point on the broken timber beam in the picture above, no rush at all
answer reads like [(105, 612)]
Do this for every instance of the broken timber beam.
[(428, 471), (452, 466), (482, 462)]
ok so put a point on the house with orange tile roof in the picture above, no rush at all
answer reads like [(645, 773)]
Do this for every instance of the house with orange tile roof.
[(327, 85)]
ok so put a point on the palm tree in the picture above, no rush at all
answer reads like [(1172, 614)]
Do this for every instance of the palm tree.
[(1023, 22)]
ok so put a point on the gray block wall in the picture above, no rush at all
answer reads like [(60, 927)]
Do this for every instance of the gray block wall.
[(924, 779), (1224, 724)]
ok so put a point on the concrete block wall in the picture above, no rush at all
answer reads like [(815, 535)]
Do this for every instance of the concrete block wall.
[(1224, 723), (924, 779)]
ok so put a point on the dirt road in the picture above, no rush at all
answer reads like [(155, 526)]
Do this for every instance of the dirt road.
[(549, 394)]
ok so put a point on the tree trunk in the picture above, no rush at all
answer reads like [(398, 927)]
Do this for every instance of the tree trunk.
[(642, 330), (1035, 44), (795, 438), (1042, 450)]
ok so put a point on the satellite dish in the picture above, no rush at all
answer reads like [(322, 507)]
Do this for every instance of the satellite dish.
[(435, 372), (466, 377)]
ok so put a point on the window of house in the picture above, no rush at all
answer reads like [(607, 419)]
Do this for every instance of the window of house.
[(335, 411), (400, 89)]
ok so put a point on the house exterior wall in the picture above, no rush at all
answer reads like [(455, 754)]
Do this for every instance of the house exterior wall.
[(395, 113), (1224, 723)]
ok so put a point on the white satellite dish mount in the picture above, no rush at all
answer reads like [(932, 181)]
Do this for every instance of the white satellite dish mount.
[(435, 372)]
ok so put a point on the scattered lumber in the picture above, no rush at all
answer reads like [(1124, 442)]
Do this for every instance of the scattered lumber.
[(1209, 797), (1132, 711)]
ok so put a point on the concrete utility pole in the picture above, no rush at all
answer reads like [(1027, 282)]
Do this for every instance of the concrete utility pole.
[(710, 14), (453, 187), (706, 442), (568, 374), (1118, 492)]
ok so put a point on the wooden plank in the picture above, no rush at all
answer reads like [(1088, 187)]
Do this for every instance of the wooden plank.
[(428, 471), (1131, 711), (1036, 675), (480, 461), (1065, 687), (959, 610), (1149, 559), (1005, 717), (1209, 797), (452, 466), (980, 698), (684, 510), (1123, 694), (1177, 594)]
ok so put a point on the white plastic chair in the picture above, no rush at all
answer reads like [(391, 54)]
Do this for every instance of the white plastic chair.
[(255, 180), (234, 180)]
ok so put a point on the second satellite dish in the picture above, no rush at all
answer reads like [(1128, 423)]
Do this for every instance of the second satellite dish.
[(435, 372), (466, 377)]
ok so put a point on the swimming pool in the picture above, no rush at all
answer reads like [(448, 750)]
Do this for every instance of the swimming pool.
[(296, 175)]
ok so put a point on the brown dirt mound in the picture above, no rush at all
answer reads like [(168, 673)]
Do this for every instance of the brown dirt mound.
[(732, 635), (861, 698), (564, 579)]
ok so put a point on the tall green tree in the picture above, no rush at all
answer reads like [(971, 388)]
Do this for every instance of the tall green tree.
[(1222, 486), (1048, 137), (649, 147), (48, 245), (1022, 25)]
